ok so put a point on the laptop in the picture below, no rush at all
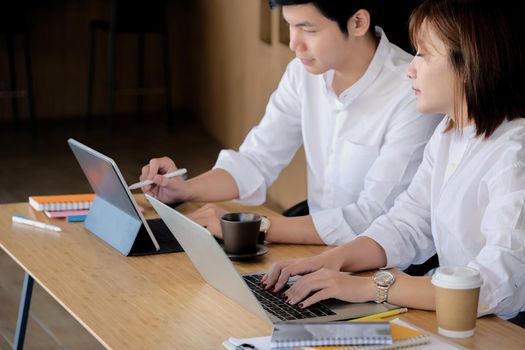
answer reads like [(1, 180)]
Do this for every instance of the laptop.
[(114, 215), (216, 268)]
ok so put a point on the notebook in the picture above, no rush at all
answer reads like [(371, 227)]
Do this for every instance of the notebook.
[(216, 268), (114, 215), (403, 335), (286, 335), (62, 202), (65, 213)]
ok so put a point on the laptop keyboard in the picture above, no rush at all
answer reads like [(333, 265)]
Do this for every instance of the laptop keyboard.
[(275, 304)]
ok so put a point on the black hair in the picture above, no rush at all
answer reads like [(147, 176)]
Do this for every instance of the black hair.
[(339, 11)]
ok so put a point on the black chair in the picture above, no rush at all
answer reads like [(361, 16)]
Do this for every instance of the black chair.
[(422, 269), (141, 18), (299, 209), (13, 26), (519, 320)]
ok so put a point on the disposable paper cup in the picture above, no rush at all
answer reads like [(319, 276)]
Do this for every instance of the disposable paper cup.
[(457, 294)]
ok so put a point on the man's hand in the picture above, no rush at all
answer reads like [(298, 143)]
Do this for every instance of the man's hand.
[(165, 190), (209, 216)]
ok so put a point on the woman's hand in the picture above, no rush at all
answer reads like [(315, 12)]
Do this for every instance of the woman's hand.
[(327, 283), (278, 275)]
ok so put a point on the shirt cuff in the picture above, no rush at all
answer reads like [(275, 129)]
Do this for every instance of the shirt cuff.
[(250, 183), (388, 243), (332, 227)]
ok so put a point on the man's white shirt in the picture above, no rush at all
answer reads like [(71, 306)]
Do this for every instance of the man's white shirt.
[(362, 147), (467, 203)]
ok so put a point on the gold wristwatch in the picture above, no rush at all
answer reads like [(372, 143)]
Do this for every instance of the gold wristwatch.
[(265, 226), (383, 280)]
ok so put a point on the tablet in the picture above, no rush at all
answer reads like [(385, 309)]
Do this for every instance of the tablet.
[(114, 215)]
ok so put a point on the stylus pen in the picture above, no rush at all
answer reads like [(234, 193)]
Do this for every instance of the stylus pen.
[(178, 172), (23, 220)]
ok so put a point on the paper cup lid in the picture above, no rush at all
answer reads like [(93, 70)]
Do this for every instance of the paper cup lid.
[(457, 277)]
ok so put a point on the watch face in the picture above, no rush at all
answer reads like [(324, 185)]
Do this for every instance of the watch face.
[(265, 224), (384, 278)]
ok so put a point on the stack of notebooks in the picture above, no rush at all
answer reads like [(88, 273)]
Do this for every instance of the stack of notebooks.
[(298, 336), (291, 335), (73, 207)]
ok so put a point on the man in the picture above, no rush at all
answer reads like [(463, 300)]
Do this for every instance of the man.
[(347, 99)]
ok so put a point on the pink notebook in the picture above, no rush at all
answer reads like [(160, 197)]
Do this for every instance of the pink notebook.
[(65, 213)]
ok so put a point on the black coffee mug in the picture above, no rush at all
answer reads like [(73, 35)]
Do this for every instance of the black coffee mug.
[(240, 232)]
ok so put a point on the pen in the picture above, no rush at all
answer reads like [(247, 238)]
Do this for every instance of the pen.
[(23, 220), (381, 315), (178, 172)]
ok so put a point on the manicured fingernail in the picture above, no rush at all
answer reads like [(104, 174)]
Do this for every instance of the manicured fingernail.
[(301, 305)]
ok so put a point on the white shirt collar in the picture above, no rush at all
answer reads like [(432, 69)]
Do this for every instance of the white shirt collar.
[(373, 70)]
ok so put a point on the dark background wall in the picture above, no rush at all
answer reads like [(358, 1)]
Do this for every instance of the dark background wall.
[(393, 18), (58, 32), (227, 56)]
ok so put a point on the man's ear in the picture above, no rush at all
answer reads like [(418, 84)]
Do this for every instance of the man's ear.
[(359, 23)]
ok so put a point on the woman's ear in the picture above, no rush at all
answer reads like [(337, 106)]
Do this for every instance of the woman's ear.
[(359, 23)]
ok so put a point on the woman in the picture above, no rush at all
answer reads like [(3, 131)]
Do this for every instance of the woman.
[(466, 201)]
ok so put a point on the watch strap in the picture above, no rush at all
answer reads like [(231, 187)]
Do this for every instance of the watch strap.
[(382, 285), (265, 226), (381, 294)]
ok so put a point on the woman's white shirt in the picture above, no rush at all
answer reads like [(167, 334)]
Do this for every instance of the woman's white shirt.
[(362, 147), (471, 212)]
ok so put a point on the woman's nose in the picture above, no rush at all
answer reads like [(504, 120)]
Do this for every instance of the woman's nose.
[(411, 70)]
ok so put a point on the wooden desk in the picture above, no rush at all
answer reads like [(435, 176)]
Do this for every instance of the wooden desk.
[(161, 302)]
